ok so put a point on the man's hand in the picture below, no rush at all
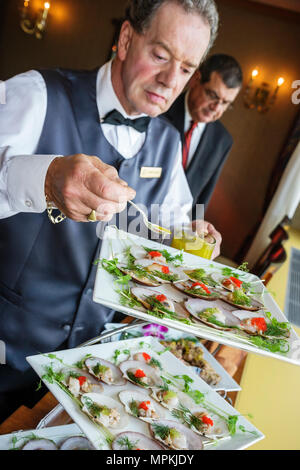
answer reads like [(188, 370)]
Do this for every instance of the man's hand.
[(78, 184), (201, 226)]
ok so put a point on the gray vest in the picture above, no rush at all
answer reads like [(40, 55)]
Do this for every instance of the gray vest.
[(46, 271)]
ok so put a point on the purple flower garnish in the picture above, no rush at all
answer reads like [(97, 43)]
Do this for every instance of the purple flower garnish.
[(153, 329)]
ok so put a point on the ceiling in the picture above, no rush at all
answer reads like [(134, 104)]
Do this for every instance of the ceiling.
[(291, 5)]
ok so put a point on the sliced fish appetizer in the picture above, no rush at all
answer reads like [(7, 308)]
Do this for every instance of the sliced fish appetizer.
[(197, 289), (130, 440), (39, 444), (141, 276), (202, 421), (140, 374), (104, 410), (255, 323), (229, 283), (152, 298), (140, 405), (152, 359), (238, 298), (175, 435), (170, 398), (209, 425), (163, 273), (138, 252), (77, 443), (79, 381), (201, 275), (212, 314), (105, 371)]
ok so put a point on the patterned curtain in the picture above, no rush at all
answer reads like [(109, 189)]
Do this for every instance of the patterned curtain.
[(278, 170), (282, 162)]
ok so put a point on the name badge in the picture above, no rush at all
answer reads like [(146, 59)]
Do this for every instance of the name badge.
[(150, 172)]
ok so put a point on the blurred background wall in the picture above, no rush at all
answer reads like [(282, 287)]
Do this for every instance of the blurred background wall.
[(80, 34), (268, 39)]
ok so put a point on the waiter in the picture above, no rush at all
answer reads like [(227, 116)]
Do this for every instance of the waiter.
[(67, 141)]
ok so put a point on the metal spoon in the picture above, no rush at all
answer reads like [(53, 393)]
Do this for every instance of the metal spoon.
[(153, 227)]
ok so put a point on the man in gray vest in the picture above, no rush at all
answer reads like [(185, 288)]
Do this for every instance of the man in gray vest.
[(77, 141)]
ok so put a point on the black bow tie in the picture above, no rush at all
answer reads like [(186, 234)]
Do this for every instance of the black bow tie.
[(116, 118)]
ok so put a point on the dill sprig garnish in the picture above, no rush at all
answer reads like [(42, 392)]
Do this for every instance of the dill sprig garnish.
[(187, 417), (125, 442), (160, 430)]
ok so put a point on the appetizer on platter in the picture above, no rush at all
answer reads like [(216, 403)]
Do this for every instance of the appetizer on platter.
[(130, 440), (104, 370), (104, 410), (175, 435)]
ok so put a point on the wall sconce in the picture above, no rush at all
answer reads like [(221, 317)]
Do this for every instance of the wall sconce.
[(260, 97), (37, 26)]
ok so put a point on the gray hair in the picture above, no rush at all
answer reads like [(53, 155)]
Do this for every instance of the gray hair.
[(140, 13)]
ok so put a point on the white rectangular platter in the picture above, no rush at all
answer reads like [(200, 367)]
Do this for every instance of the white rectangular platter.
[(115, 243), (226, 382), (246, 434), (57, 434)]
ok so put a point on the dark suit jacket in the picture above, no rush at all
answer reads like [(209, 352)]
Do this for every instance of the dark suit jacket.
[(210, 155)]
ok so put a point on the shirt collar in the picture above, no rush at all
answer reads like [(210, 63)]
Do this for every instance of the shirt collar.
[(107, 99)]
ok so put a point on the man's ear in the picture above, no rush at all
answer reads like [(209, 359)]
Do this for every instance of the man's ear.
[(124, 41)]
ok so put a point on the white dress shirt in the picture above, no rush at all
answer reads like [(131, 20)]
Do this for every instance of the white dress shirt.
[(197, 132), (22, 172)]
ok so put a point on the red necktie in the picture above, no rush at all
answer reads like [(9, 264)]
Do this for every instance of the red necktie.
[(187, 143)]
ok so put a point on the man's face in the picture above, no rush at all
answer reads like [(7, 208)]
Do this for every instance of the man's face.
[(208, 101), (156, 65)]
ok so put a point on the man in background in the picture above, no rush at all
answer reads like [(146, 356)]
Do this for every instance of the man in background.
[(196, 114)]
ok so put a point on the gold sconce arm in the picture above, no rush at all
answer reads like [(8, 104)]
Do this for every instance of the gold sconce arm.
[(35, 26), (260, 96)]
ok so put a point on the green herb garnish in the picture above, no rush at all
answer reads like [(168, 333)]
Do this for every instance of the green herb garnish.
[(243, 267), (57, 378), (127, 299), (111, 267), (273, 345), (231, 423), (176, 260), (240, 298), (125, 442), (155, 363), (200, 275), (81, 364), (99, 368), (95, 409), (134, 408), (196, 395), (186, 417), (116, 355), (135, 379), (200, 291), (165, 276), (161, 430), (276, 328)]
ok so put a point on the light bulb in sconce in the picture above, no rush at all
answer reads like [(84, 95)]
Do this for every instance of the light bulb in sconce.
[(260, 96), (280, 81), (38, 26)]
